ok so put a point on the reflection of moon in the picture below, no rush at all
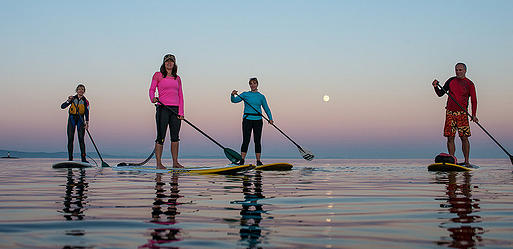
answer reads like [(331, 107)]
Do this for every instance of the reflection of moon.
[(326, 98)]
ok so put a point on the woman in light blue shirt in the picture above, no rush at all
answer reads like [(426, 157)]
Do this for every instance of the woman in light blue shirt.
[(252, 119)]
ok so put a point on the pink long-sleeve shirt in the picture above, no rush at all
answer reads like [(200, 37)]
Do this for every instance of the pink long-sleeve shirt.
[(170, 90)]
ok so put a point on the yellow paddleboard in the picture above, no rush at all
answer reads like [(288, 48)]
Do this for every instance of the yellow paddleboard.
[(451, 167), (224, 170)]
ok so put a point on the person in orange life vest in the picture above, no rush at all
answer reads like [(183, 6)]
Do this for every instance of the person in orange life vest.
[(78, 117)]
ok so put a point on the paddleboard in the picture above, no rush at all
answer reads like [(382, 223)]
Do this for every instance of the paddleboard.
[(274, 166), (71, 164), (451, 167), (223, 170)]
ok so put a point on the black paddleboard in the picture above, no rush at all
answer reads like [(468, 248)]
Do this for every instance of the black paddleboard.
[(275, 166), (71, 164)]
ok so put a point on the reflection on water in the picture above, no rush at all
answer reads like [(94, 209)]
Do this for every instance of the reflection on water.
[(251, 211), (346, 204), (164, 212), (459, 201), (75, 197)]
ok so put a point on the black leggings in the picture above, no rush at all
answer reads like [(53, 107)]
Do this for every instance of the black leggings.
[(247, 126), (71, 135), (166, 118)]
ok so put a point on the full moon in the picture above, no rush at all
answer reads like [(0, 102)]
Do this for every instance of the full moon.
[(326, 98)]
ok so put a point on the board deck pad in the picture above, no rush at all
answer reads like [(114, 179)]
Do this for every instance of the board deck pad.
[(71, 164), (275, 166), (226, 169), (451, 167)]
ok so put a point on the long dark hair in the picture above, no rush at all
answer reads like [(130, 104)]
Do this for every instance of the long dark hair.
[(163, 70)]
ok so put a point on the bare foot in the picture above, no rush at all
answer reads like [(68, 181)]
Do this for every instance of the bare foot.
[(160, 166), (177, 165)]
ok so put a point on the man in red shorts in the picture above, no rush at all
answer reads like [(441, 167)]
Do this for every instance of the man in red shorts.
[(460, 88)]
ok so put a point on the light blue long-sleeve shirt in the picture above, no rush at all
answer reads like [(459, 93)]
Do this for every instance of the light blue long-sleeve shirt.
[(257, 100)]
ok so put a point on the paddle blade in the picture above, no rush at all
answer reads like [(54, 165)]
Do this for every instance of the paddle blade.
[(306, 154), (511, 159), (104, 164), (232, 155)]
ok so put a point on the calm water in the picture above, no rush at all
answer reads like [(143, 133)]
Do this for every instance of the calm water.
[(319, 204)]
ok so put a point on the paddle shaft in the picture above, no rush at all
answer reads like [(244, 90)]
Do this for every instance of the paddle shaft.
[(138, 164), (89, 134), (269, 121), (94, 144), (147, 159), (193, 126), (480, 126)]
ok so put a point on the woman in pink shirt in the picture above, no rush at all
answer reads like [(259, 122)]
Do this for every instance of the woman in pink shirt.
[(169, 87)]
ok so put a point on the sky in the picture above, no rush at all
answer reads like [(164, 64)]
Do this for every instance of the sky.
[(375, 59)]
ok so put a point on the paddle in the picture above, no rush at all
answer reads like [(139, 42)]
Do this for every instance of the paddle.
[(306, 154), (232, 155), (480, 126), (138, 164), (104, 164)]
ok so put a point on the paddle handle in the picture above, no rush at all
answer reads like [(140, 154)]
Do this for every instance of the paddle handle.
[(480, 126), (270, 121), (192, 125)]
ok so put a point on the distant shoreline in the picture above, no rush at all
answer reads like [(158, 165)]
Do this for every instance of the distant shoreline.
[(23, 154)]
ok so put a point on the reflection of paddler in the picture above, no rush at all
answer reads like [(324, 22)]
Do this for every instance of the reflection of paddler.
[(164, 235), (75, 196), (78, 114), (460, 202), (251, 212)]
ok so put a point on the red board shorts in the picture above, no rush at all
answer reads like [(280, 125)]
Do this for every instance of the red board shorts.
[(456, 121)]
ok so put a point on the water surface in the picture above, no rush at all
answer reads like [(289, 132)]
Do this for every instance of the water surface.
[(318, 204)]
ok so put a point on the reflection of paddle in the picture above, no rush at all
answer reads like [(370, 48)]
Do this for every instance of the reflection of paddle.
[(138, 164), (232, 155), (480, 126), (306, 154), (104, 164)]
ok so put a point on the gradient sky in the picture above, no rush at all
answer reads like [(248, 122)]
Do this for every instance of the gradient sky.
[(375, 59)]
